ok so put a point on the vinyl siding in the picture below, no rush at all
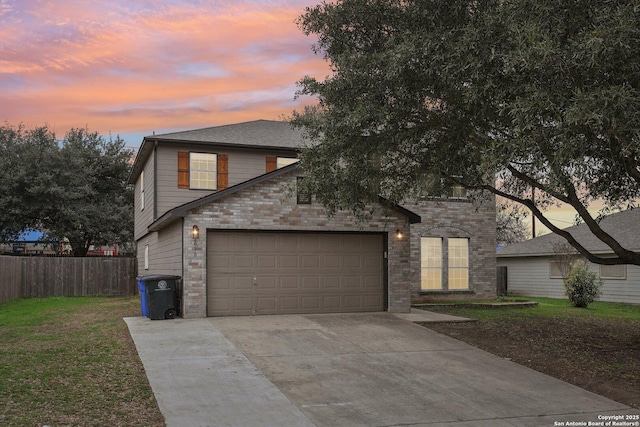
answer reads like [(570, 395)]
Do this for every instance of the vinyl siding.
[(165, 251), (144, 217), (243, 165), (529, 276)]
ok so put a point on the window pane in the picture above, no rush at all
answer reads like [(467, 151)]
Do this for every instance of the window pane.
[(431, 263), (458, 263), (613, 271), (285, 161), (203, 171)]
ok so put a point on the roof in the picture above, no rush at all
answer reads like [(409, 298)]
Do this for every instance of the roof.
[(623, 226), (264, 134), (183, 210)]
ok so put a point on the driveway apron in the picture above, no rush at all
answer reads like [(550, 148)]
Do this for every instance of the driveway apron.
[(371, 369)]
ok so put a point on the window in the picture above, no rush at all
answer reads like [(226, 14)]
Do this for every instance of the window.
[(458, 263), (302, 197), (613, 272), (142, 190), (285, 161), (434, 272), (431, 263), (203, 171), (146, 257), (274, 163)]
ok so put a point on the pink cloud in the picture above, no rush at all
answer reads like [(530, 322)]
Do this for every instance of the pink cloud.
[(128, 67)]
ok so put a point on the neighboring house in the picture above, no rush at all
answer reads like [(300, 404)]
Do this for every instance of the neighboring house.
[(219, 207), (536, 267)]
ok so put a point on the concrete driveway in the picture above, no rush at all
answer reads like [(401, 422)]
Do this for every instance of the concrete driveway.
[(374, 369)]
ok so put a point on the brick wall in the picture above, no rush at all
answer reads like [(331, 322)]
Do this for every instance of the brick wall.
[(472, 219), (271, 205)]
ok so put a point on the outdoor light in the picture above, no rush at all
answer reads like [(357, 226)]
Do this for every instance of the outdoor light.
[(399, 234), (195, 232)]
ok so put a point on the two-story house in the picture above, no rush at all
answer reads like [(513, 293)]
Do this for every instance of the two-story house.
[(219, 207)]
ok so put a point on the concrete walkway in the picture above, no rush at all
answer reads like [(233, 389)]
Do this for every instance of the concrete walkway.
[(371, 369)]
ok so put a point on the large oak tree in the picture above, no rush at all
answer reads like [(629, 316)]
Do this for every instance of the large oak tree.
[(74, 189), (514, 97)]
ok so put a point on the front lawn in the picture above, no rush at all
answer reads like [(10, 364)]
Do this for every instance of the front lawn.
[(70, 361), (597, 348)]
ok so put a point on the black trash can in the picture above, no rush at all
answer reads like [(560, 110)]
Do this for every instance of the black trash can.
[(162, 296)]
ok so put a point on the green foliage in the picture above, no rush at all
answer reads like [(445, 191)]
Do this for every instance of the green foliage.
[(75, 189), (537, 93), (581, 285)]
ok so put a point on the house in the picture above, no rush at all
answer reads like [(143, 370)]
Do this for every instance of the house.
[(219, 207), (535, 267)]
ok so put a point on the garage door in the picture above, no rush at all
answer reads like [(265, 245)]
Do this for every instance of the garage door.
[(283, 273)]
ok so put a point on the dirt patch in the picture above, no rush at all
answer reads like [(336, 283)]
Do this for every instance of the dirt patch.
[(602, 356)]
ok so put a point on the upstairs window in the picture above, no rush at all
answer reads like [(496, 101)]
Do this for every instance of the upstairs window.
[(202, 171), (274, 163)]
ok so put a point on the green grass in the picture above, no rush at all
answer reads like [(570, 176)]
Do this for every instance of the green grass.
[(547, 307), (71, 361)]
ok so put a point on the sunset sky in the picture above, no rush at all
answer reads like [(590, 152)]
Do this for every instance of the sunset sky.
[(130, 68)]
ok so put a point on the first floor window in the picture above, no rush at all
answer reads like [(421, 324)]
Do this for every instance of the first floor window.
[(438, 269), (146, 257), (458, 263), (431, 263)]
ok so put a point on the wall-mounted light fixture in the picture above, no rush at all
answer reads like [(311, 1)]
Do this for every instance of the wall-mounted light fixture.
[(195, 232), (399, 234)]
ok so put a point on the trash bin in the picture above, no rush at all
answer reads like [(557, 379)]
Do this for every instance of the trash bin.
[(144, 302), (162, 296)]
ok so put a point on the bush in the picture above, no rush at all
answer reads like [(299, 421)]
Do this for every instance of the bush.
[(581, 285)]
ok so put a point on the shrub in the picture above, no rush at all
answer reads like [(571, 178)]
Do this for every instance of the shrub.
[(581, 285)]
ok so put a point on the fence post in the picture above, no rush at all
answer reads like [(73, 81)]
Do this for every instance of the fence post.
[(501, 280)]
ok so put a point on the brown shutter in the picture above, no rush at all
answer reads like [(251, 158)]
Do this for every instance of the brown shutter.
[(183, 169), (223, 171), (272, 164)]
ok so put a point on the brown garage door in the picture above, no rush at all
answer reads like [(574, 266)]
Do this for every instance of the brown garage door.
[(282, 273)]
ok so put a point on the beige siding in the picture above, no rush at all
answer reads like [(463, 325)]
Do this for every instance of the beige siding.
[(165, 251), (243, 165), (530, 277), (167, 255), (144, 217)]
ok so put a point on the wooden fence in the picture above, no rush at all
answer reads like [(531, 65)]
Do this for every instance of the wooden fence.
[(65, 276)]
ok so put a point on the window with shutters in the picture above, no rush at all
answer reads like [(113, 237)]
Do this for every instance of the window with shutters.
[(274, 163), (203, 171)]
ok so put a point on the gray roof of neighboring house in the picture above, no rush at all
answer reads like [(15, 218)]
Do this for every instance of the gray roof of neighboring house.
[(263, 134), (623, 226)]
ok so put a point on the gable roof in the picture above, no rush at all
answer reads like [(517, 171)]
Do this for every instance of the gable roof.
[(183, 210), (264, 134), (623, 226)]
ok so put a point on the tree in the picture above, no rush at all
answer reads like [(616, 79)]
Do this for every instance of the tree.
[(76, 189), (513, 97), (510, 226)]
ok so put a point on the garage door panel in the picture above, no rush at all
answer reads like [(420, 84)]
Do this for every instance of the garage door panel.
[(294, 273)]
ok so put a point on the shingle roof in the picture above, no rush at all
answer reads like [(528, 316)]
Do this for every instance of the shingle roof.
[(263, 134), (623, 226), (257, 133)]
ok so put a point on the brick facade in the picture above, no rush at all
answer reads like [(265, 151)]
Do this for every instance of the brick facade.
[(472, 219), (271, 205)]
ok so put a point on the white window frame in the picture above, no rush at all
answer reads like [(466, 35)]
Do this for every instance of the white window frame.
[(146, 257), (203, 178)]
